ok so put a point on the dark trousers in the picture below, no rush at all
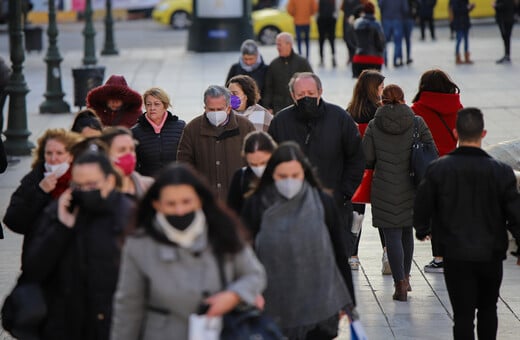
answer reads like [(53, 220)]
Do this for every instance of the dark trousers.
[(399, 247), (427, 20), (506, 28), (473, 286), (327, 30)]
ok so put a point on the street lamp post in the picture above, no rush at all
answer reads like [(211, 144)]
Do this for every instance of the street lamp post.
[(110, 46), (17, 135), (54, 102), (89, 33)]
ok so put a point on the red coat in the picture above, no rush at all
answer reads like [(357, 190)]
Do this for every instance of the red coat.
[(446, 105)]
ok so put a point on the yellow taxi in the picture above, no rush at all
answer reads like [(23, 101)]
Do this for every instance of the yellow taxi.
[(176, 13), (267, 23)]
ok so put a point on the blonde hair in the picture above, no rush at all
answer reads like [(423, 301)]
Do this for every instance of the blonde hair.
[(66, 137), (158, 93)]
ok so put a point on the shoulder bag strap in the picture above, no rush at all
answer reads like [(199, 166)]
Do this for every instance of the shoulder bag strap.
[(446, 125)]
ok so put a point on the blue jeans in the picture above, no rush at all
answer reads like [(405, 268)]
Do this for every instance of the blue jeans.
[(302, 32), (462, 34), (394, 29), (407, 33)]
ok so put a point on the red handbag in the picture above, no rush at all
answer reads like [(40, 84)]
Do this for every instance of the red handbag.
[(362, 194)]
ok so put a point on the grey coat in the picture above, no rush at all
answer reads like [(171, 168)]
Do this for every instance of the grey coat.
[(387, 147), (160, 285)]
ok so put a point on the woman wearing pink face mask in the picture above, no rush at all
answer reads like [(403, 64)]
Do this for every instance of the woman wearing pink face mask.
[(121, 150)]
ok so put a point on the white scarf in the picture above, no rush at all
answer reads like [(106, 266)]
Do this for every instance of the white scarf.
[(184, 238)]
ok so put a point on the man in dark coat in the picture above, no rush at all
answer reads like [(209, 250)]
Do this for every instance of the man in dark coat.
[(212, 142), (327, 134), (468, 200), (279, 73)]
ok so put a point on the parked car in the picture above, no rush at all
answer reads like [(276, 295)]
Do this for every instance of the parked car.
[(177, 13)]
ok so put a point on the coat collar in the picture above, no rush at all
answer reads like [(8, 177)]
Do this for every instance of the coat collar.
[(229, 130), (469, 151)]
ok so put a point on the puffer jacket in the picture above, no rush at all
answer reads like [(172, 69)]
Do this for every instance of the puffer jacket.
[(387, 145), (156, 150)]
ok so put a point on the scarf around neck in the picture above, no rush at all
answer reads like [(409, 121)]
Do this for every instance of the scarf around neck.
[(184, 238), (295, 248), (250, 68)]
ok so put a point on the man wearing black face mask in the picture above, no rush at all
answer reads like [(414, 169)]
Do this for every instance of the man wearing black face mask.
[(327, 135)]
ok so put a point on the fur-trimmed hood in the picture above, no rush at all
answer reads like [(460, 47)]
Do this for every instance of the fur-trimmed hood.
[(116, 87)]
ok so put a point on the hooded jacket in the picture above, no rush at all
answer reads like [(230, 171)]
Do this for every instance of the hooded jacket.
[(387, 145), (430, 106), (116, 88)]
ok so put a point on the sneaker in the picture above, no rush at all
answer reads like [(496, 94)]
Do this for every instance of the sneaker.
[(386, 270), (434, 267), (504, 60), (354, 263)]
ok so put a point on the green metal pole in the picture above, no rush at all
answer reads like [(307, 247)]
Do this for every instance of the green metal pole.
[(89, 57), (54, 102), (17, 135), (110, 46)]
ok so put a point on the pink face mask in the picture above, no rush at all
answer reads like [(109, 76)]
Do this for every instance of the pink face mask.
[(126, 163)]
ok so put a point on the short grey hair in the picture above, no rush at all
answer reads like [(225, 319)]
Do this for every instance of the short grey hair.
[(302, 75), (249, 47), (286, 37), (215, 91)]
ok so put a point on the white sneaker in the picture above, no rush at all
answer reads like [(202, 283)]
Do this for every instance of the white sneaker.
[(354, 263), (386, 270)]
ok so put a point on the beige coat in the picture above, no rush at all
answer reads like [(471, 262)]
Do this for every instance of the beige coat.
[(215, 151)]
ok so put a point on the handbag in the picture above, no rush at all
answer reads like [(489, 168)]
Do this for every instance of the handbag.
[(362, 193), (246, 321), (24, 309), (422, 155)]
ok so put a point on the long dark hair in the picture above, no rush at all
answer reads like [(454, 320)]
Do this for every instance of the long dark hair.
[(435, 80), (365, 91), (224, 228), (286, 152)]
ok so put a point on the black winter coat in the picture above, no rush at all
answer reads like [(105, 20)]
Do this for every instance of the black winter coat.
[(426, 8), (470, 199), (258, 74), (155, 151), (279, 72), (331, 142), (254, 209), (505, 10), (26, 205), (460, 11), (370, 39), (78, 268)]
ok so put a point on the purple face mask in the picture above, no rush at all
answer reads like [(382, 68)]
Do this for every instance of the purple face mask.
[(235, 102)]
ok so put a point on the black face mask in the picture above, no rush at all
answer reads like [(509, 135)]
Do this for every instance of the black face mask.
[(181, 222), (308, 107), (90, 200)]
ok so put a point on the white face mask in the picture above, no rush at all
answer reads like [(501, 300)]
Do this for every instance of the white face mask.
[(57, 169), (216, 117), (289, 187), (258, 170)]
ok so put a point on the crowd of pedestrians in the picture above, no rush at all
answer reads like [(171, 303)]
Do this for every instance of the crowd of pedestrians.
[(135, 221)]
